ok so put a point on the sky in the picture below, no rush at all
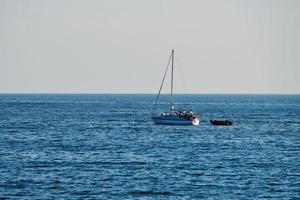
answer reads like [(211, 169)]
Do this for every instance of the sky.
[(116, 46)]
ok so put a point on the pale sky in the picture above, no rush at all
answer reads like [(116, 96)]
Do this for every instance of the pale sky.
[(110, 46)]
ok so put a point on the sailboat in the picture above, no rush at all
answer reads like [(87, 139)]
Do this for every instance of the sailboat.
[(173, 116)]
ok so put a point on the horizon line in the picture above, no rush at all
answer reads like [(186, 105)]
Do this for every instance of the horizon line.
[(131, 93)]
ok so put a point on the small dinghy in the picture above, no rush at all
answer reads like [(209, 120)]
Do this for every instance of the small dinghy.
[(221, 122)]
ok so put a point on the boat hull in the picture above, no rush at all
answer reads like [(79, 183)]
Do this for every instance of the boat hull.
[(170, 120), (221, 122)]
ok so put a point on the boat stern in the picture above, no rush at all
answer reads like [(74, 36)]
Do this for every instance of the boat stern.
[(196, 121)]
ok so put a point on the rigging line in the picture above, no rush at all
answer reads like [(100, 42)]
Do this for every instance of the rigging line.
[(185, 88), (162, 83)]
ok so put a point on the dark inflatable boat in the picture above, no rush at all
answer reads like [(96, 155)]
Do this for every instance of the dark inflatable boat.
[(221, 122)]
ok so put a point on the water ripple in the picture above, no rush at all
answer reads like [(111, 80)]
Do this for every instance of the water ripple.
[(105, 147)]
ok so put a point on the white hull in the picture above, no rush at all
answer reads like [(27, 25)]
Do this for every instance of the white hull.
[(176, 121)]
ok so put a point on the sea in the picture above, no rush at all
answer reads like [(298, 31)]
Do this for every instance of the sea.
[(105, 146)]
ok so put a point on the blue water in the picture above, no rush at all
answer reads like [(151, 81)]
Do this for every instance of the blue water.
[(105, 147)]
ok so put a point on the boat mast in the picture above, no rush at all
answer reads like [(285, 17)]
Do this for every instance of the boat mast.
[(171, 102)]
